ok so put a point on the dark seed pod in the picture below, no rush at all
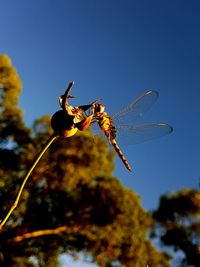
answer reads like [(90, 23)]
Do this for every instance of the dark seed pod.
[(62, 124)]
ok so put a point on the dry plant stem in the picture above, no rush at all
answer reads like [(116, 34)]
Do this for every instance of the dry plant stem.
[(49, 142), (66, 96)]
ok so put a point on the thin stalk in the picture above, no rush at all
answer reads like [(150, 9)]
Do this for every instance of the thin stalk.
[(41, 153)]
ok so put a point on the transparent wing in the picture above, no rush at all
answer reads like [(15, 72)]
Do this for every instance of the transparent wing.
[(135, 134), (136, 108)]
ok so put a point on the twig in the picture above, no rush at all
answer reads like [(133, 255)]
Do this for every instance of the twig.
[(49, 142)]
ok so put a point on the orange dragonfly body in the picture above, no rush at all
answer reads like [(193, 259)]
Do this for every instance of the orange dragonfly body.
[(132, 133), (82, 117)]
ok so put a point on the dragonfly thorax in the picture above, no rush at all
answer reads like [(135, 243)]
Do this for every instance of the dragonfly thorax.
[(106, 125)]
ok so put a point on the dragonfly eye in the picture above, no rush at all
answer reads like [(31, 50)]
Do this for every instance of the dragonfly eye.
[(99, 108)]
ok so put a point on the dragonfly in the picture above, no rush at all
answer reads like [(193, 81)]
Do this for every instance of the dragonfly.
[(132, 133), (82, 117)]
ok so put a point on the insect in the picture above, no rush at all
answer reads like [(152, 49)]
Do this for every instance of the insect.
[(134, 133), (70, 119)]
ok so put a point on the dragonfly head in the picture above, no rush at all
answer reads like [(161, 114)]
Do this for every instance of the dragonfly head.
[(98, 108)]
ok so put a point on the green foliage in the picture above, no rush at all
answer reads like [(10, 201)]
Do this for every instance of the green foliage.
[(178, 225), (13, 133), (71, 203), (11, 117)]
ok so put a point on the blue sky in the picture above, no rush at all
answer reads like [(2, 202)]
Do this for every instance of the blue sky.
[(116, 50)]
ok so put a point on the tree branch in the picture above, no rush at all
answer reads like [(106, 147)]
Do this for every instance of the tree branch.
[(56, 231), (38, 233)]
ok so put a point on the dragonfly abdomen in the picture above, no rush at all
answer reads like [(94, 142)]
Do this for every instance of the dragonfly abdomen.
[(120, 154), (105, 123)]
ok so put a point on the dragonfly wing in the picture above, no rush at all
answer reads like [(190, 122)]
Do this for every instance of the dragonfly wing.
[(137, 107), (135, 134)]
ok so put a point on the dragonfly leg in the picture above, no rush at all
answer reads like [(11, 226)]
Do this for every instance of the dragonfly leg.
[(84, 124)]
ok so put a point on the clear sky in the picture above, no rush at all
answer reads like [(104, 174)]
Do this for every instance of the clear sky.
[(116, 50)]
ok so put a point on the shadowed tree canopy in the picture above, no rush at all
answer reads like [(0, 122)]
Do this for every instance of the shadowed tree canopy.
[(71, 203), (177, 224)]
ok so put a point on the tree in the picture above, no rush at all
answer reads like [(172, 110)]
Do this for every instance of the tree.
[(177, 224), (72, 202)]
